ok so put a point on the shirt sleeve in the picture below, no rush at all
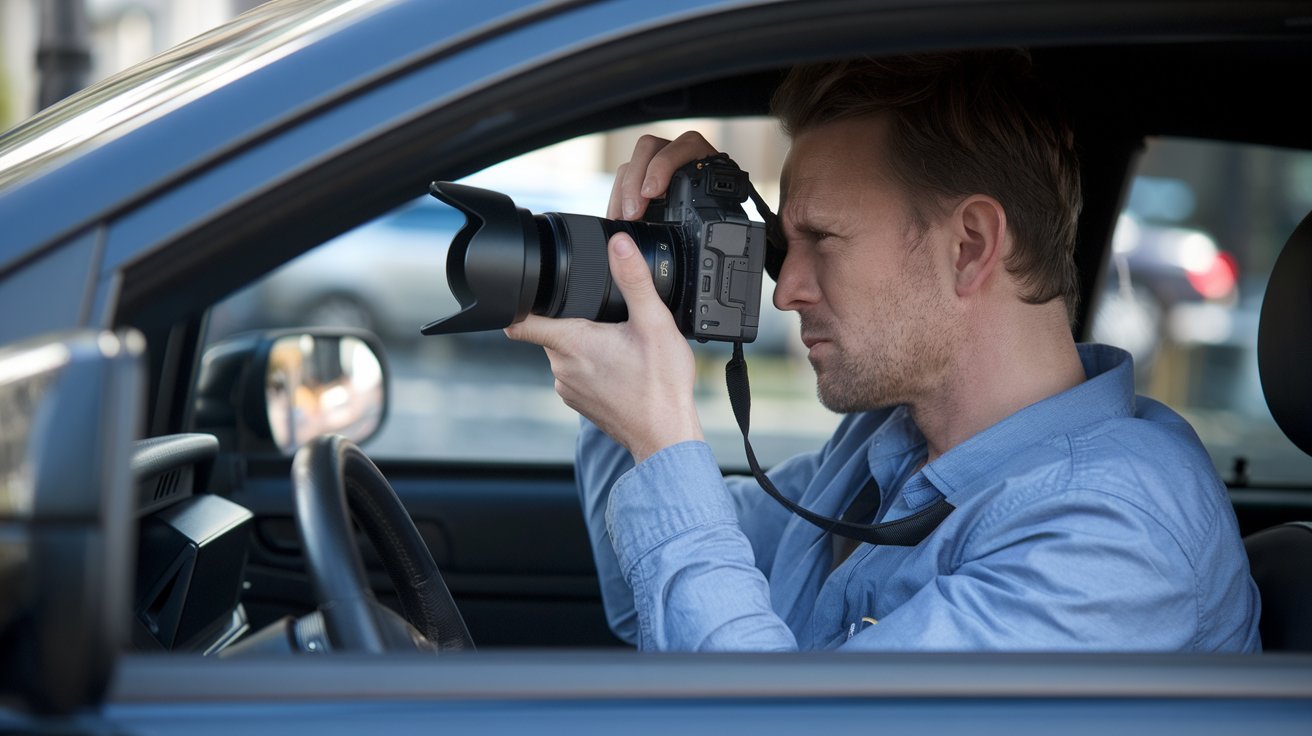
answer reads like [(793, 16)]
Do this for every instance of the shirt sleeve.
[(687, 562), (598, 462), (749, 515)]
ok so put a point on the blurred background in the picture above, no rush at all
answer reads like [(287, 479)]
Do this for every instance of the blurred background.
[(82, 41), (52, 48), (1200, 230)]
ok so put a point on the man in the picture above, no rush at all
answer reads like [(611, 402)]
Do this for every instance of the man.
[(929, 207)]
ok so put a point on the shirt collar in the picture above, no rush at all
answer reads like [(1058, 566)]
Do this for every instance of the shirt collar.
[(1107, 393)]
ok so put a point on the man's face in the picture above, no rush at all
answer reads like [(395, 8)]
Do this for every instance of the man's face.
[(874, 300)]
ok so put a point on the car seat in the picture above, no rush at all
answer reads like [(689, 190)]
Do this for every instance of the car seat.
[(1281, 556)]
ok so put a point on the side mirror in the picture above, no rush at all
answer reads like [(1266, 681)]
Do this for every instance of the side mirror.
[(274, 391), (70, 406)]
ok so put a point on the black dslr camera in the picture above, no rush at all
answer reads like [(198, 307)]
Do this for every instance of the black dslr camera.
[(705, 256)]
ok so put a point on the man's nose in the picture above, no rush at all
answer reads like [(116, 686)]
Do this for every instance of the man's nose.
[(797, 286)]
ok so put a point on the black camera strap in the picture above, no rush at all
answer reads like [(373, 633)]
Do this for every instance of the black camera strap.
[(905, 532)]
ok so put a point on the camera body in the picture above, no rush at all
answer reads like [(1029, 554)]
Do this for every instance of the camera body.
[(706, 258), (725, 251)]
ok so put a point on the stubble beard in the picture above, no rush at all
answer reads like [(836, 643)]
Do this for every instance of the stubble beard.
[(898, 362), (862, 380)]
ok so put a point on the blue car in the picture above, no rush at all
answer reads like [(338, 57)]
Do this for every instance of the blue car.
[(161, 570)]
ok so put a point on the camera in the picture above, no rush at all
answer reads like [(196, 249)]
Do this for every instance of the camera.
[(705, 256)]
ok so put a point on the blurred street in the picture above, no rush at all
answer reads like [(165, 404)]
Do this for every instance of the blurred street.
[(498, 404)]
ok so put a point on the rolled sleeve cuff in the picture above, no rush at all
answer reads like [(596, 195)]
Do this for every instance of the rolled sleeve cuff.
[(675, 490)]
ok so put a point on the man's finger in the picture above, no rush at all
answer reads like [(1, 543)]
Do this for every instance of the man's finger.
[(630, 200), (553, 334), (613, 210), (685, 149), (648, 172)]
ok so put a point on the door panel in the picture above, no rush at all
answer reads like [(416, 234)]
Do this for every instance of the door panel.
[(511, 544)]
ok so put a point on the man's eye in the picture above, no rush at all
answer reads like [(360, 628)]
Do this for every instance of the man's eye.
[(824, 239), (810, 237)]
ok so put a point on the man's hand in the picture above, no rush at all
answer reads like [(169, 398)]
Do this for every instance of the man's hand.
[(634, 380), (648, 173)]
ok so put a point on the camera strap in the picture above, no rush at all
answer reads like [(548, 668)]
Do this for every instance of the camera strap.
[(905, 532)]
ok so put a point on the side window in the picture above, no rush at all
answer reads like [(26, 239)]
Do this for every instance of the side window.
[(1192, 253), (481, 397)]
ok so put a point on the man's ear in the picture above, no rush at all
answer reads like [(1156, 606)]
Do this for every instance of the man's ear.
[(979, 228)]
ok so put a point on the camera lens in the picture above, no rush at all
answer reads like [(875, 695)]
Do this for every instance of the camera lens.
[(506, 262), (575, 277)]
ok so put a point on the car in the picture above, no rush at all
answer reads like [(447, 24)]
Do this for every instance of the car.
[(388, 275), (1163, 281), (155, 575)]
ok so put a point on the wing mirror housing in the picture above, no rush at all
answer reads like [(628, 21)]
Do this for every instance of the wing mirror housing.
[(70, 406), (271, 392)]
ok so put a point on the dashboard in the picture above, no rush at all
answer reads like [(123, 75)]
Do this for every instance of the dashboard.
[(191, 549)]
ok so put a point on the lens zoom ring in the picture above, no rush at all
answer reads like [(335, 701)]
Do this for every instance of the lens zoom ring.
[(589, 270)]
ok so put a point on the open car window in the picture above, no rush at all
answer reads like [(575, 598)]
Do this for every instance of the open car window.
[(1181, 291), (1193, 250), (480, 396)]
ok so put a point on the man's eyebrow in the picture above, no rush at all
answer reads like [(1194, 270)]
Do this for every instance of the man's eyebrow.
[(807, 215)]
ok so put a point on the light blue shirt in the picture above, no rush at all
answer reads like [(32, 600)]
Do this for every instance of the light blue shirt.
[(1092, 520)]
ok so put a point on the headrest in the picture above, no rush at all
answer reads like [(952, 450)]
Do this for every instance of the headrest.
[(1284, 338)]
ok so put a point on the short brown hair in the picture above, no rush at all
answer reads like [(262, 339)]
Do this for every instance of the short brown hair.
[(976, 122)]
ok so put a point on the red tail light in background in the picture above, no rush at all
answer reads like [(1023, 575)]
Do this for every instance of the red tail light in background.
[(1216, 277)]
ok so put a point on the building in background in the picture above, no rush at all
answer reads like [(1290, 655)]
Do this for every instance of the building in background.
[(123, 32)]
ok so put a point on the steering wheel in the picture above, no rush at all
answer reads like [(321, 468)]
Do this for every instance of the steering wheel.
[(333, 481)]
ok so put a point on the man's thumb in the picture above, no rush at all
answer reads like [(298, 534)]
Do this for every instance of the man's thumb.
[(629, 270)]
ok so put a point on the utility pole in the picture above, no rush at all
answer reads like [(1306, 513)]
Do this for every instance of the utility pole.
[(63, 55)]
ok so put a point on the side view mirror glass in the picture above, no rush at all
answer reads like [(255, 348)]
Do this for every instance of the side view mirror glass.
[(317, 384), (274, 391)]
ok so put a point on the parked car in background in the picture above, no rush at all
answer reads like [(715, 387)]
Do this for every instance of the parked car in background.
[(388, 276), (1164, 283)]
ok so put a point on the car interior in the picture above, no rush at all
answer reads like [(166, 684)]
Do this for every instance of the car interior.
[(1278, 555), (224, 567)]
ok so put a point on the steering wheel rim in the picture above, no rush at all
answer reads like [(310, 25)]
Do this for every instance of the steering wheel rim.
[(333, 481)]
